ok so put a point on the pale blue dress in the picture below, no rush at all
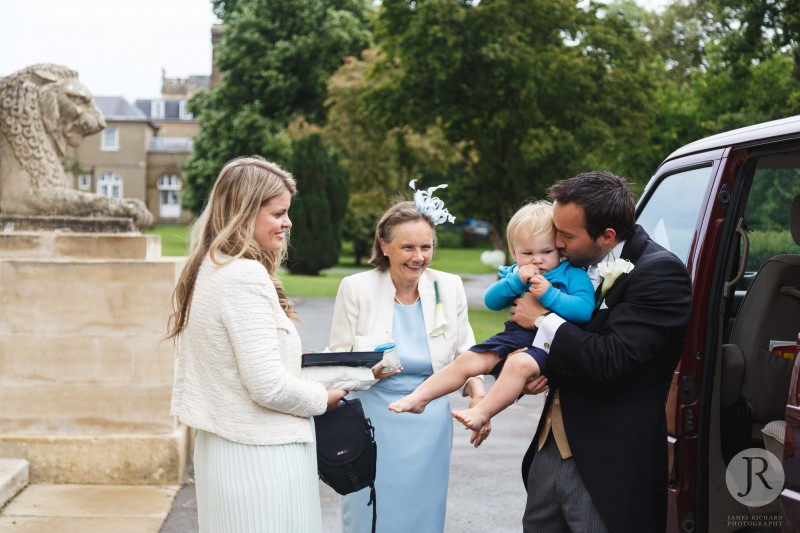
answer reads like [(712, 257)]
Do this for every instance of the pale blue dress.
[(413, 450)]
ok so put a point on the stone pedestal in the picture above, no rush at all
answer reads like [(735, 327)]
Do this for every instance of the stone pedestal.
[(85, 380), (11, 223)]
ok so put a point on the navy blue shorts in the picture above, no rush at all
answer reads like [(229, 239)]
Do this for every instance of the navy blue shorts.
[(510, 340)]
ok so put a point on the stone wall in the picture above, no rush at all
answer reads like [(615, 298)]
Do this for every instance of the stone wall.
[(85, 380)]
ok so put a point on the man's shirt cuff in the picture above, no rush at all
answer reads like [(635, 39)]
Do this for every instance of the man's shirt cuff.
[(547, 331)]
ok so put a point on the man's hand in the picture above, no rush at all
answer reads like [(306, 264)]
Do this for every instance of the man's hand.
[(536, 385), (525, 310)]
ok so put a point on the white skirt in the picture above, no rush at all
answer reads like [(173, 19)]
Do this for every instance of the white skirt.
[(242, 488)]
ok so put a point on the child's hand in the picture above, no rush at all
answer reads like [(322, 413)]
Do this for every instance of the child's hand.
[(527, 272), (539, 285)]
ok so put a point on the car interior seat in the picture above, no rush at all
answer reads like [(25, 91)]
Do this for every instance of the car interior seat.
[(754, 380)]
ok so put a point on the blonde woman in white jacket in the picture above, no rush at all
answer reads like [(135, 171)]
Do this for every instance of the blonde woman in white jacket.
[(238, 362), (398, 300)]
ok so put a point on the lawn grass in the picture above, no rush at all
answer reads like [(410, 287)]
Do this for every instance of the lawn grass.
[(175, 242), (174, 239), (455, 260), (461, 261), (324, 285), (486, 323)]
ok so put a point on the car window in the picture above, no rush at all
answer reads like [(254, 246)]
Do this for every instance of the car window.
[(776, 181), (673, 207)]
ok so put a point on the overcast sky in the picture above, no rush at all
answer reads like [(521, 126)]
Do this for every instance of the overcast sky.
[(118, 47)]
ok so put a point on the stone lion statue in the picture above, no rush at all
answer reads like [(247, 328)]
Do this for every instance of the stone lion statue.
[(44, 108)]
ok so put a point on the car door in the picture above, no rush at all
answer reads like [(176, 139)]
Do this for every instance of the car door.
[(724, 212)]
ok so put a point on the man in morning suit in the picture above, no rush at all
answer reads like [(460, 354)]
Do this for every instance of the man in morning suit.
[(598, 461)]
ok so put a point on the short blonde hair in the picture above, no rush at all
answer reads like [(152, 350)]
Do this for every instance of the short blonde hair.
[(532, 219)]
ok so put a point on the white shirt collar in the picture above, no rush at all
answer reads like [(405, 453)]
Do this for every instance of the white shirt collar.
[(613, 255)]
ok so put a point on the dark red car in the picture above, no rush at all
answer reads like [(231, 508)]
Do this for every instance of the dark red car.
[(729, 207)]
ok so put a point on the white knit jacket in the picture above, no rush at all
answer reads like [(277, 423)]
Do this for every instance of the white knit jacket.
[(238, 361)]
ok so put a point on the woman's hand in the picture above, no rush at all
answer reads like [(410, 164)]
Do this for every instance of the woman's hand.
[(334, 397), (477, 437), (377, 371), (476, 392)]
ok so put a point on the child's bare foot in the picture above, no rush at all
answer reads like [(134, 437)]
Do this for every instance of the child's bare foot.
[(471, 418), (408, 404)]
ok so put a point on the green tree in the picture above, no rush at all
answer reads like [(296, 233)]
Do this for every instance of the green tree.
[(760, 29), (364, 210), (728, 64), (529, 91), (380, 159), (319, 207), (277, 57), (743, 67)]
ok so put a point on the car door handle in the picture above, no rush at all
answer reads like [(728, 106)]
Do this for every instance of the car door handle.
[(729, 285)]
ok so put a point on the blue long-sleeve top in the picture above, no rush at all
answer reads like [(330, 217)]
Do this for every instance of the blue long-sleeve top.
[(570, 295)]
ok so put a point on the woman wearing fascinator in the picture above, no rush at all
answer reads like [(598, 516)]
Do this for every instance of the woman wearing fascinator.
[(424, 312)]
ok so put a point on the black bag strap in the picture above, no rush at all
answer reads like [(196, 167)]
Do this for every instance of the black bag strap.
[(374, 503), (351, 474)]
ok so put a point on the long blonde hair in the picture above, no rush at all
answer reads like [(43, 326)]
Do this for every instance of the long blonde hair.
[(227, 226)]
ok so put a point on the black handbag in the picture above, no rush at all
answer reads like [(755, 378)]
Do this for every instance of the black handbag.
[(346, 450)]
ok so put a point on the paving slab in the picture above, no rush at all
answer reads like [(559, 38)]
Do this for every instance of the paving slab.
[(60, 524), (84, 508)]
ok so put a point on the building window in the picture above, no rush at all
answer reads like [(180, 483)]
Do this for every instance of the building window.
[(157, 109), (110, 184), (110, 139), (169, 199), (85, 182), (183, 112)]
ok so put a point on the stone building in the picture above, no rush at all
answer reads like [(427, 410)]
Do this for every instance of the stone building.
[(114, 161), (144, 147), (142, 151)]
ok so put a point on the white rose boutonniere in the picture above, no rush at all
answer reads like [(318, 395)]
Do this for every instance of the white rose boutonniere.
[(611, 272)]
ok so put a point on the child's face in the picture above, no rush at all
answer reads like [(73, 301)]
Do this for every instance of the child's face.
[(538, 250)]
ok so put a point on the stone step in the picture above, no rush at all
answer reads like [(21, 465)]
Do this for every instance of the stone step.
[(13, 478), (130, 459), (124, 358), (84, 408), (94, 298)]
